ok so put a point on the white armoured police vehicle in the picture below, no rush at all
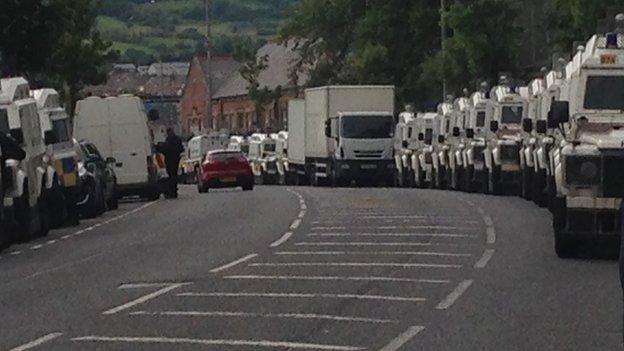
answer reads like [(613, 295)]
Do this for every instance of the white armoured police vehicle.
[(62, 150), (441, 162), (476, 132), (588, 160), (502, 156), (262, 158), (457, 143), (33, 177), (402, 151), (428, 127), (281, 152)]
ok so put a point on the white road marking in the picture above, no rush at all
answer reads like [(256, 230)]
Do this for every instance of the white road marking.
[(355, 264), (36, 247), (353, 243), (65, 237), (234, 263), (442, 235), (402, 339), (15, 253), (308, 296), (372, 253), (295, 224), (50, 242), (301, 214), (491, 235), (263, 315), (328, 228), (218, 342), (145, 285), (143, 299), (281, 240), (337, 278), (454, 295), (483, 261), (303, 206), (37, 342)]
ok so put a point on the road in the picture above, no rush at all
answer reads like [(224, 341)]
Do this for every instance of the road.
[(309, 269)]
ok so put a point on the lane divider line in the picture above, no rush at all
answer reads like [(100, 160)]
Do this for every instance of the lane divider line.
[(337, 278), (307, 296), (219, 342), (264, 315), (454, 295), (356, 264), (234, 263), (281, 240), (402, 339), (144, 299), (483, 261), (37, 342)]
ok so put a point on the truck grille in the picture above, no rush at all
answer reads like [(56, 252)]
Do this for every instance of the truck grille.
[(613, 175), (368, 154)]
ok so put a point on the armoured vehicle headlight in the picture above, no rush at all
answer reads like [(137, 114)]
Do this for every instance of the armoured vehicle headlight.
[(583, 170)]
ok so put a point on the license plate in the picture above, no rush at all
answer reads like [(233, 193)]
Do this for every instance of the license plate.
[(228, 179), (369, 166)]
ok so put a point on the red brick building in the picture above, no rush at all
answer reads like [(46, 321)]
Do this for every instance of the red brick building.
[(194, 116)]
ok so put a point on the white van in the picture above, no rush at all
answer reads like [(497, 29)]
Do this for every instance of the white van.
[(118, 126)]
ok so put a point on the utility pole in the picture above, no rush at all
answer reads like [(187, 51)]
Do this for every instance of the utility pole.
[(443, 46), (209, 118)]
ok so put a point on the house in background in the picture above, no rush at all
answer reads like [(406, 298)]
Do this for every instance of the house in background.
[(234, 110), (194, 115)]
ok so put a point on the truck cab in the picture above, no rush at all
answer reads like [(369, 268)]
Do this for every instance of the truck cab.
[(508, 109), (402, 152), (281, 152), (62, 150), (479, 115), (587, 159), (30, 177), (262, 158)]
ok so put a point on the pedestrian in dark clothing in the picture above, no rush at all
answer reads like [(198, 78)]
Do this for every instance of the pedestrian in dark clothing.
[(172, 149)]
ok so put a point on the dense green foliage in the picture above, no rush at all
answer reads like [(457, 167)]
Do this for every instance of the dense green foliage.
[(399, 42), (52, 42), (167, 30)]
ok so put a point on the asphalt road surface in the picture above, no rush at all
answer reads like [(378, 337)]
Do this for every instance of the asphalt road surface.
[(309, 269)]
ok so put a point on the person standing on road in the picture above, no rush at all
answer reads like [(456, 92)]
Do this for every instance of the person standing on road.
[(172, 149)]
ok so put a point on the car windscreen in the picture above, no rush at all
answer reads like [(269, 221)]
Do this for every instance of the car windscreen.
[(367, 127), (225, 155), (481, 119), (604, 93), (61, 130), (511, 114)]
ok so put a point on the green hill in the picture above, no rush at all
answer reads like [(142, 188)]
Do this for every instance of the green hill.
[(169, 30)]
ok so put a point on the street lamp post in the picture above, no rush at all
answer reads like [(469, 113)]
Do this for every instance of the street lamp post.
[(443, 46), (209, 117)]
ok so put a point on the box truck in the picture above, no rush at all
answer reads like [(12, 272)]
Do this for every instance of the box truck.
[(348, 135)]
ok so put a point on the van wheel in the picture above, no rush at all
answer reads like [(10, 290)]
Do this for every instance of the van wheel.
[(153, 194), (24, 216), (101, 203), (113, 202), (44, 213)]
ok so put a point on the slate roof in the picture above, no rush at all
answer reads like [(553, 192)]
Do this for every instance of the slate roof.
[(222, 67), (280, 59)]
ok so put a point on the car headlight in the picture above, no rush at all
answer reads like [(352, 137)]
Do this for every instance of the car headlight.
[(583, 170)]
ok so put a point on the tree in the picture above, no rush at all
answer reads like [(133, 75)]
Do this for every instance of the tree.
[(245, 52), (476, 49), (54, 40)]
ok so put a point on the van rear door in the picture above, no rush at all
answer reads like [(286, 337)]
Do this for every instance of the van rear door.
[(130, 138)]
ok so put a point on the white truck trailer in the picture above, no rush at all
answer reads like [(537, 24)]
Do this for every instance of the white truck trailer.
[(587, 161), (349, 133)]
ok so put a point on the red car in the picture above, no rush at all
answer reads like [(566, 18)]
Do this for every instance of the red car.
[(225, 169)]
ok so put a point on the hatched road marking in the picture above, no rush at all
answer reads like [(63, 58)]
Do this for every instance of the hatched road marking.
[(307, 296), (37, 342)]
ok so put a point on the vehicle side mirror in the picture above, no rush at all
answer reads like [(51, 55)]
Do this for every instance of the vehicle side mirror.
[(527, 125), (49, 137), (456, 131), (111, 160), (541, 126), (421, 137), (328, 128), (18, 135), (494, 126), (441, 139), (559, 113), (405, 144), (469, 133)]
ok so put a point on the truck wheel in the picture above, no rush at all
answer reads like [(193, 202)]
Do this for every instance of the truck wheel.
[(24, 216), (44, 213), (526, 184)]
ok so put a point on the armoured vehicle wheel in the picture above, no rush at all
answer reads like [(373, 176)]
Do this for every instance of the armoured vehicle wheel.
[(527, 184), (44, 213), (26, 216)]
